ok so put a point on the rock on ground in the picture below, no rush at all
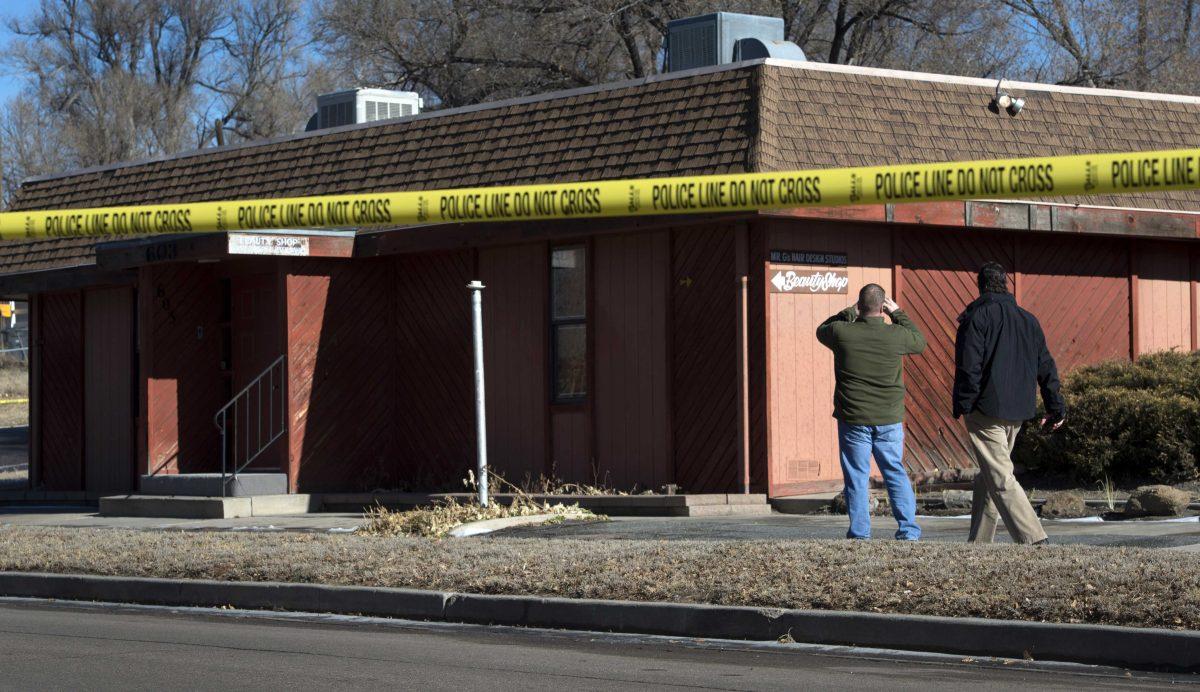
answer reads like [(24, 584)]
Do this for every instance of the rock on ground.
[(876, 503), (958, 499), (1157, 501), (1065, 505)]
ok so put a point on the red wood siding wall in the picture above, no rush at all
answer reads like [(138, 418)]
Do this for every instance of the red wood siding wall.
[(632, 381), (571, 446), (802, 431), (181, 306), (757, 356), (60, 342), (1079, 291), (85, 402), (435, 402), (704, 384), (380, 373), (1164, 292), (380, 361), (938, 279), (515, 347), (342, 375), (1078, 287)]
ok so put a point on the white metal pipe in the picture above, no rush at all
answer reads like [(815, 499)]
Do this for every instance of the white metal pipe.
[(476, 288)]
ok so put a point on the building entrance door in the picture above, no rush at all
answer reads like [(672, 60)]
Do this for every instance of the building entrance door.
[(257, 338), (108, 336)]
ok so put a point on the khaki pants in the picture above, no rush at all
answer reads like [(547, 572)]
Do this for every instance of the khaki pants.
[(997, 492)]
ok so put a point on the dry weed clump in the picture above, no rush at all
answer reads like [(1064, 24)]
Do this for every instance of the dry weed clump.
[(439, 519)]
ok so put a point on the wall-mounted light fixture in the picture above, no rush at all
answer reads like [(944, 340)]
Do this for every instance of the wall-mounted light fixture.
[(1006, 101)]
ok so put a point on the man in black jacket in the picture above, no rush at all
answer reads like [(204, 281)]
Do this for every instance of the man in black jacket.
[(1000, 359)]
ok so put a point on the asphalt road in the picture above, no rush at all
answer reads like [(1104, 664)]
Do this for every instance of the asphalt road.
[(62, 646)]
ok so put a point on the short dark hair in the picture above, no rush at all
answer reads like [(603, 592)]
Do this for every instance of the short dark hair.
[(870, 298), (992, 278)]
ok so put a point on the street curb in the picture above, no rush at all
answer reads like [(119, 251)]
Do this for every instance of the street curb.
[(1128, 647)]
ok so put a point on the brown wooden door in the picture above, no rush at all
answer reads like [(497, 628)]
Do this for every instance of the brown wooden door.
[(257, 342), (256, 338), (108, 390)]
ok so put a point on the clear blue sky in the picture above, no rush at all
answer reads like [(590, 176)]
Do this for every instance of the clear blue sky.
[(12, 8)]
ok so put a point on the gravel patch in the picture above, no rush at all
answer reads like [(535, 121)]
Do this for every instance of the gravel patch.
[(1071, 584)]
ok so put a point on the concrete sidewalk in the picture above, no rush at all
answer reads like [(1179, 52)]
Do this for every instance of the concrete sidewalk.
[(86, 517), (1179, 534)]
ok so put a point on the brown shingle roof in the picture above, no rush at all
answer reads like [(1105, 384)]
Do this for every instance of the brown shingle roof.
[(818, 116), (706, 119), (41, 255), (771, 116)]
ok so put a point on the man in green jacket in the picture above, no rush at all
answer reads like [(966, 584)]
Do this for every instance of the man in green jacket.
[(868, 403)]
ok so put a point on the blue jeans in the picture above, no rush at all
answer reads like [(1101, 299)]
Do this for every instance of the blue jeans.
[(886, 442)]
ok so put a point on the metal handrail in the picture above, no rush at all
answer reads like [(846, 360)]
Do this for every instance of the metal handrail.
[(250, 400)]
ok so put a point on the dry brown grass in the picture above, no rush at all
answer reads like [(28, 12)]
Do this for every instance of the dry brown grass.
[(14, 380), (14, 415), (14, 384), (1122, 586)]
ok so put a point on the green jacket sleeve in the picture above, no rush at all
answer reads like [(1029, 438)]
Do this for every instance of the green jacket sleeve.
[(826, 334), (911, 339)]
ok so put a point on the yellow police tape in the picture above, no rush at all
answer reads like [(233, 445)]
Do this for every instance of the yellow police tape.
[(993, 179)]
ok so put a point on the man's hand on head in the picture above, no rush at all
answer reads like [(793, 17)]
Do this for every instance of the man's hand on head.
[(890, 306)]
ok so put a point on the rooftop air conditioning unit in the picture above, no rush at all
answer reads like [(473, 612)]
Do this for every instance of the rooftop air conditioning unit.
[(724, 37), (354, 106)]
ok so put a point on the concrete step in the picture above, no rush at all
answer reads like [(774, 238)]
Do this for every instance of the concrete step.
[(247, 484), (192, 507), (731, 510), (802, 504)]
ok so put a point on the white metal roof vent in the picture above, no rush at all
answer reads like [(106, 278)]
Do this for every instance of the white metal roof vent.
[(354, 106), (724, 37)]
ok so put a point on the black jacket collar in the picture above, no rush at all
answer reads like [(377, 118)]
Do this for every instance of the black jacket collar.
[(986, 299)]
